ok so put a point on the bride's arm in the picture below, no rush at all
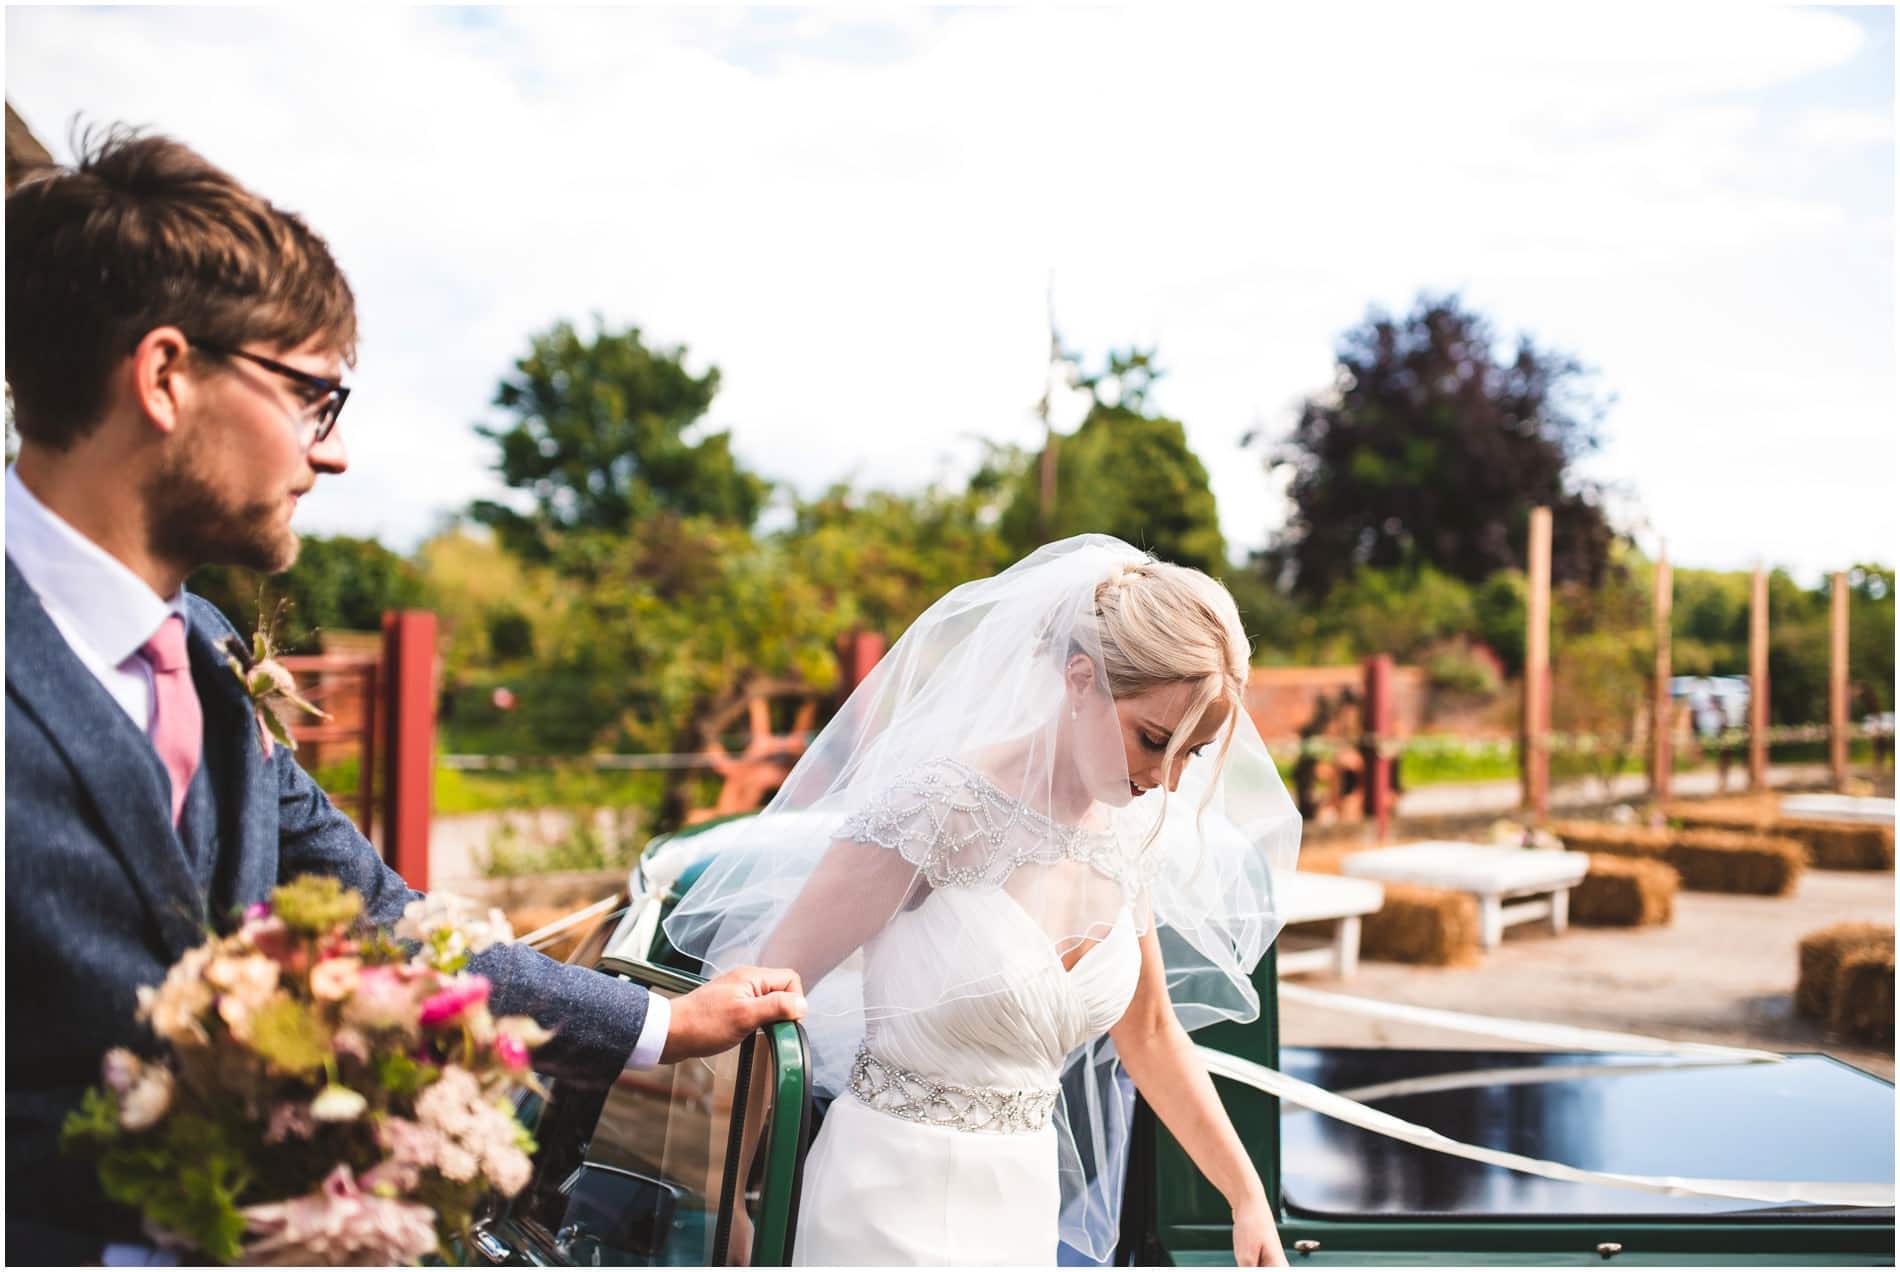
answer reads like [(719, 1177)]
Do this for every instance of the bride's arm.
[(1160, 1058), (852, 893), (854, 890)]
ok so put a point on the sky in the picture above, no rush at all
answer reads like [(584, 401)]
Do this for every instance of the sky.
[(857, 215)]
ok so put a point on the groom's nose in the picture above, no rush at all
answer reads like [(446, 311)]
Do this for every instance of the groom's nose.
[(329, 455)]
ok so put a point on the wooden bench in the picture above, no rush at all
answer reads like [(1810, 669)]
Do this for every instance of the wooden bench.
[(1512, 885), (1319, 898)]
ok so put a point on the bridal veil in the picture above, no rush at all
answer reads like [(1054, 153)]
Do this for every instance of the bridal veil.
[(984, 681)]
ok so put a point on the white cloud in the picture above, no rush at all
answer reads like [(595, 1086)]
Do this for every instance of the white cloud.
[(853, 213), (1838, 129)]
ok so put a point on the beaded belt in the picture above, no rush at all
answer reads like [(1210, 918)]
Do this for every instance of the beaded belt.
[(986, 1110)]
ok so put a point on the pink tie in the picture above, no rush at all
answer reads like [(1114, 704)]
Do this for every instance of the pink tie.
[(178, 727)]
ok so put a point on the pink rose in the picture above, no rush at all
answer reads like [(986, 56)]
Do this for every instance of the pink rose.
[(269, 936), (334, 978), (450, 1003), (512, 1052), (384, 999), (338, 1224)]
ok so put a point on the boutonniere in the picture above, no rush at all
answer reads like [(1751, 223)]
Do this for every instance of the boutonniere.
[(268, 683)]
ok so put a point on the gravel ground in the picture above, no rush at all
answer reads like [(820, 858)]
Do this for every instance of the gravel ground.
[(1723, 971)]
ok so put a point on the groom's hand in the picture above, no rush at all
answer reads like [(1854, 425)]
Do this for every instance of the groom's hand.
[(720, 1013)]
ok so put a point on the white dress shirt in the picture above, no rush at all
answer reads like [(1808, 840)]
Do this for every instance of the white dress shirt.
[(107, 613)]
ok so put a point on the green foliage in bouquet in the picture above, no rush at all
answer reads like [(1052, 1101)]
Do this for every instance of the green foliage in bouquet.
[(326, 1096)]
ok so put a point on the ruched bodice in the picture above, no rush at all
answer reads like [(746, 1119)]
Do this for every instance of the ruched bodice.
[(1008, 1013)]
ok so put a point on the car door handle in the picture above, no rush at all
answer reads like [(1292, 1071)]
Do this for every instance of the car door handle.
[(491, 1247)]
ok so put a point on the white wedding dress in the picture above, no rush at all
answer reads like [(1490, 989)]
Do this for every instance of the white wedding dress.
[(964, 826), (942, 1148)]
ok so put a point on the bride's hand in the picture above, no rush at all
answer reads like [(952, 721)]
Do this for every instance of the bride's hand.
[(1256, 1240)]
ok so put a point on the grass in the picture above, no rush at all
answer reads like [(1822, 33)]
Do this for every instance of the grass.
[(568, 786), (491, 791)]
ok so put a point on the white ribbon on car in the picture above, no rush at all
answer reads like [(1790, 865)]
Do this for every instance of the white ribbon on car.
[(1341, 1106), (1556, 1037), (1338, 1107)]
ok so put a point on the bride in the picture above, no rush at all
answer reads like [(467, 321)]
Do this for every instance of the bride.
[(1033, 849)]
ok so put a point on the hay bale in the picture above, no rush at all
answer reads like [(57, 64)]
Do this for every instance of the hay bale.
[(1422, 925), (1321, 860), (1620, 841), (1706, 860), (1863, 996), (1839, 845), (1726, 861), (1624, 892), (1828, 845), (1821, 957)]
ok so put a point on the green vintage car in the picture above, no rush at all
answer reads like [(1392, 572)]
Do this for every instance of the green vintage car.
[(646, 1173)]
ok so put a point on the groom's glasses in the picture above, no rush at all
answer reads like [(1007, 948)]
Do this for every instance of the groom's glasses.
[(326, 396)]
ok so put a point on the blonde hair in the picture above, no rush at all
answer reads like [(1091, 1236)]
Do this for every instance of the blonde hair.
[(1164, 625)]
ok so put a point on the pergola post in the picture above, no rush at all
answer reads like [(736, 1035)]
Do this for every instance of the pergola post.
[(1758, 681), (1536, 749), (1661, 716), (1837, 735), (408, 676), (1378, 728)]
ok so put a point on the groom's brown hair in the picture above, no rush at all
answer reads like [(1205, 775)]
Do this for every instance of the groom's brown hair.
[(144, 232)]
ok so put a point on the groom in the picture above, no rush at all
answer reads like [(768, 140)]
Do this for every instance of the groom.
[(174, 348)]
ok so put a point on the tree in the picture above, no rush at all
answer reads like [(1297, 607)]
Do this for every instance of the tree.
[(1870, 605), (492, 608), (599, 441), (1432, 448), (880, 558), (339, 582), (1126, 473)]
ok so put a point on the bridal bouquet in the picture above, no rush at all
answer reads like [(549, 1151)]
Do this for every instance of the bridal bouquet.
[(328, 1098)]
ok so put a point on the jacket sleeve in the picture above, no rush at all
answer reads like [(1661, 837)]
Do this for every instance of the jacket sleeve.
[(596, 1019)]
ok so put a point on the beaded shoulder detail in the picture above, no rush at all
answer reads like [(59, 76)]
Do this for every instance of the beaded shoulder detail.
[(961, 830)]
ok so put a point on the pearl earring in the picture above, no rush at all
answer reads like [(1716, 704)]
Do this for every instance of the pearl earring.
[(1074, 714)]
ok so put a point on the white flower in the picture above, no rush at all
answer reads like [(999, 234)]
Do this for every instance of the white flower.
[(525, 1030), (460, 919), (474, 1134), (150, 1095), (337, 1104), (332, 979), (172, 1008), (120, 1069)]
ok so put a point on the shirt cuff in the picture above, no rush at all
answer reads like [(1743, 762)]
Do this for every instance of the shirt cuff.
[(652, 1040)]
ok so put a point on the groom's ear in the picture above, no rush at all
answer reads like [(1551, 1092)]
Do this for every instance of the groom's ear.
[(157, 377)]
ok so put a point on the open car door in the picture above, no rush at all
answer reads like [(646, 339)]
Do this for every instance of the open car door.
[(1346, 1196), (647, 1172)]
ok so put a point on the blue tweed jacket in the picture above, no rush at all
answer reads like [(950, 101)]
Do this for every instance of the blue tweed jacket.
[(103, 894)]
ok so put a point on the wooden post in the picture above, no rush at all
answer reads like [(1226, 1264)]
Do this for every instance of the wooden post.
[(1536, 749), (409, 762), (1837, 685), (1378, 728), (366, 759), (1661, 715), (1758, 681), (858, 652)]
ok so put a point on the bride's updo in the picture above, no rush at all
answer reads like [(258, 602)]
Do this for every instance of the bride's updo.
[(1163, 625)]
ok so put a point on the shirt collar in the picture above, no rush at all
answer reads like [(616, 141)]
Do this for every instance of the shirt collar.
[(100, 600)]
